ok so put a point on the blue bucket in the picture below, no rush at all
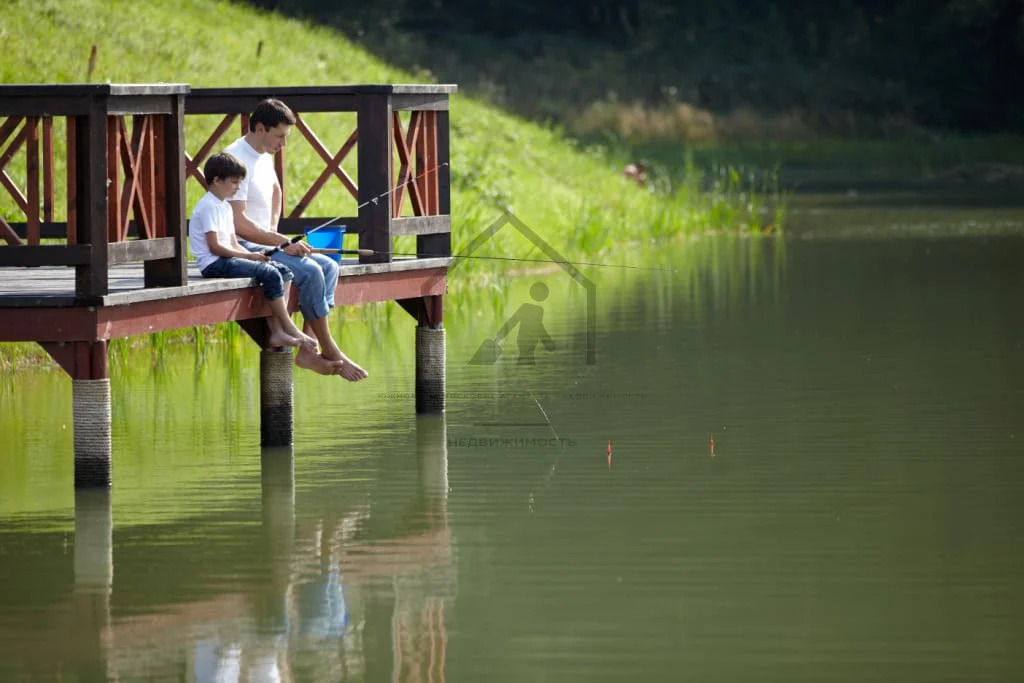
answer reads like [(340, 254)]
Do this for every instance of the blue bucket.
[(327, 238)]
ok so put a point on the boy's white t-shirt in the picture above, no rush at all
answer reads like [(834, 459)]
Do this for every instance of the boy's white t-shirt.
[(209, 215), (257, 188)]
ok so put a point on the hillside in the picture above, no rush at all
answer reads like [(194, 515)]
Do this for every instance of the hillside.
[(576, 198)]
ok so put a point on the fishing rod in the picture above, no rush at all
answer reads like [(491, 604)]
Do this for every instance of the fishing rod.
[(372, 200), (373, 252)]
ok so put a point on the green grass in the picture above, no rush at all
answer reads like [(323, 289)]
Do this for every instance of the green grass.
[(499, 162), (572, 194)]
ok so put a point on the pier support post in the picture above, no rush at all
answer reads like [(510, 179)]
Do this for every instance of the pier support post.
[(430, 354), (90, 400), (276, 413), (430, 369), (86, 364)]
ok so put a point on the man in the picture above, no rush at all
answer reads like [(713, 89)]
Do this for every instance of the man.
[(257, 208)]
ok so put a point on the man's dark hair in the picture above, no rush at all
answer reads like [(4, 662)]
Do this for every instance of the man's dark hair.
[(223, 165), (271, 113)]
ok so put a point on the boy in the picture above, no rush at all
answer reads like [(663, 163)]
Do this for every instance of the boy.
[(211, 234)]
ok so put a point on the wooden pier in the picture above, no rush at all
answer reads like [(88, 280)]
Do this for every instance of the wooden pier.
[(112, 260)]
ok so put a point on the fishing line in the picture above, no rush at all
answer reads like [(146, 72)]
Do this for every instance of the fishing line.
[(546, 418), (371, 252), (545, 481)]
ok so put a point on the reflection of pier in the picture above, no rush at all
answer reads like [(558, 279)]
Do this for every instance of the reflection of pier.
[(328, 596), (38, 616)]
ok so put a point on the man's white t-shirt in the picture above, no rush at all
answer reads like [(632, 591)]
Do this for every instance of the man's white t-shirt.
[(209, 215), (257, 188)]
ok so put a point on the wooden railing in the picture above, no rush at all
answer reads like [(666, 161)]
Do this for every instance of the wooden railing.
[(127, 165), (119, 145)]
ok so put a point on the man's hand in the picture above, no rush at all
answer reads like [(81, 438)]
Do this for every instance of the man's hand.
[(298, 249)]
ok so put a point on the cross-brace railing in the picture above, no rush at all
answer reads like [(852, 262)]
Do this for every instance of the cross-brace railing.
[(119, 145), (127, 164)]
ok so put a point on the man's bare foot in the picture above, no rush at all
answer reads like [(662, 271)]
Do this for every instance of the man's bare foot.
[(350, 371), (283, 339), (345, 367), (310, 360)]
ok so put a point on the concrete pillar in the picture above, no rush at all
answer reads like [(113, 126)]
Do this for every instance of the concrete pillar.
[(430, 369), (90, 400), (276, 404)]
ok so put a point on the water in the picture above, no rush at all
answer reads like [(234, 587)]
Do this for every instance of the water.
[(859, 518)]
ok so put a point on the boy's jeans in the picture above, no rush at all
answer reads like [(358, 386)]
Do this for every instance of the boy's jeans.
[(271, 275)]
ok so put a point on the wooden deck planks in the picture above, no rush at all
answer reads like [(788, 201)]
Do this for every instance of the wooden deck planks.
[(38, 304)]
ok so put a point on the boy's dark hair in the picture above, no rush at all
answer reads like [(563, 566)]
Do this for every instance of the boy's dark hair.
[(223, 165), (271, 113)]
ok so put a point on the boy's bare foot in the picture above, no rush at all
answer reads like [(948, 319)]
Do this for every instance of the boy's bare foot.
[(307, 342), (283, 339), (310, 360)]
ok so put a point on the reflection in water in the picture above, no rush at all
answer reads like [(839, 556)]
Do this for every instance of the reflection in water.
[(859, 518), (421, 640), (55, 607), (323, 607), (326, 596), (94, 577)]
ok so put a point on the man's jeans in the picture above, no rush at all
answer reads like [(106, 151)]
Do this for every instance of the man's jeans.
[(316, 277)]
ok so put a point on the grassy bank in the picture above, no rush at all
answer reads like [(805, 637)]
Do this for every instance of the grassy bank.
[(499, 162), (573, 195)]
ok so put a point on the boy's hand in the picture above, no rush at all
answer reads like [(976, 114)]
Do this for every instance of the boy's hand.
[(258, 256)]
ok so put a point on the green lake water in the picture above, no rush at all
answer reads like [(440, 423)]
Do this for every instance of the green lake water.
[(860, 516)]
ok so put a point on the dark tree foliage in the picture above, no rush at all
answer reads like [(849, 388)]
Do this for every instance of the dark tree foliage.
[(957, 63)]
